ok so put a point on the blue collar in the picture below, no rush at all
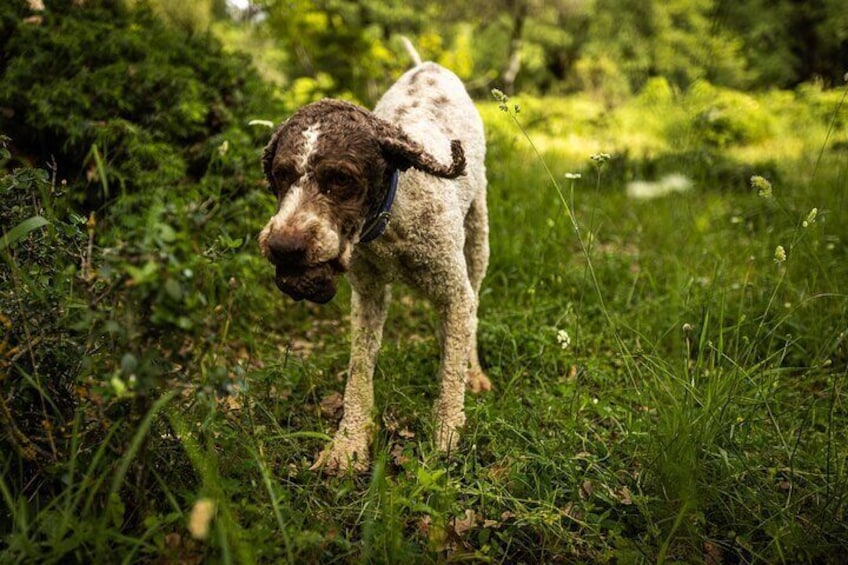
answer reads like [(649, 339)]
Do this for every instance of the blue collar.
[(376, 225)]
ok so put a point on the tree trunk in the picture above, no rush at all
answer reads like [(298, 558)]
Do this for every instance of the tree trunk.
[(514, 65)]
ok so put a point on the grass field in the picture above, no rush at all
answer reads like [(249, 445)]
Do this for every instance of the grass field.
[(669, 384)]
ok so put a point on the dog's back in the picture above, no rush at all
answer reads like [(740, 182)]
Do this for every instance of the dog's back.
[(431, 105)]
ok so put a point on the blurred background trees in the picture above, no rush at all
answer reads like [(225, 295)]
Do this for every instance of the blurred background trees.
[(609, 47)]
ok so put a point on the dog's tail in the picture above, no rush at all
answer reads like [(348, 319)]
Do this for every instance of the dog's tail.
[(413, 54)]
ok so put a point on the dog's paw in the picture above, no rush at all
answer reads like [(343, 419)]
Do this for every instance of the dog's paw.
[(478, 382), (342, 455)]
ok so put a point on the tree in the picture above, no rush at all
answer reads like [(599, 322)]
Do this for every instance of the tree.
[(787, 42)]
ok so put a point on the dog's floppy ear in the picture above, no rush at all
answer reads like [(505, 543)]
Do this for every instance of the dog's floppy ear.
[(402, 152), (269, 152)]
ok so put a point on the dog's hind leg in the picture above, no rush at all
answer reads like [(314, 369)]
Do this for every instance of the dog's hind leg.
[(455, 302), (477, 260)]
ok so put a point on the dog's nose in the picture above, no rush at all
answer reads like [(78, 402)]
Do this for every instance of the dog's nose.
[(288, 250)]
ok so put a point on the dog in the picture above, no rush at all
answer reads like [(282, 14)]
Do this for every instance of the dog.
[(393, 195)]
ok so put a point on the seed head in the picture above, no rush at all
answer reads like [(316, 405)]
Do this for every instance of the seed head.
[(811, 217), (762, 185), (502, 98)]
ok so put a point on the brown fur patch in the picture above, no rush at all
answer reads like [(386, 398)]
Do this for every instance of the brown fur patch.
[(343, 179)]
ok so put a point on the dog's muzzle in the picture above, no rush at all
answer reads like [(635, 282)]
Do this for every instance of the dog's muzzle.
[(296, 276), (316, 283)]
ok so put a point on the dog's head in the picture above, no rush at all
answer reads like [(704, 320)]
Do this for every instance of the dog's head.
[(330, 165)]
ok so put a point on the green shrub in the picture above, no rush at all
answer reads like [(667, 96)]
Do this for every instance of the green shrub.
[(120, 100), (38, 353), (124, 203), (723, 117)]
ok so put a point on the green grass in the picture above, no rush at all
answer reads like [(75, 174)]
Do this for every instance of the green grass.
[(698, 413)]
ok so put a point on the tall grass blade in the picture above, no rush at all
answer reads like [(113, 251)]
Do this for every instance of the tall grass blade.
[(21, 230)]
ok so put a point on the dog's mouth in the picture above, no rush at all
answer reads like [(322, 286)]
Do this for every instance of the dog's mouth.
[(316, 283)]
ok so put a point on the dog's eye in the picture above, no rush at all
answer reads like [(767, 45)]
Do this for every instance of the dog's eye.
[(283, 178), (337, 182)]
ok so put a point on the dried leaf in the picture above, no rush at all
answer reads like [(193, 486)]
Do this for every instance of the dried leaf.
[(625, 496), (424, 525), (466, 523), (332, 405), (571, 512), (586, 489), (398, 456), (303, 346), (231, 402), (201, 517), (713, 554), (173, 540)]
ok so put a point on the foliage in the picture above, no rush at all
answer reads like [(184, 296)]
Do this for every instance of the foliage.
[(669, 386), (607, 48), (122, 135), (787, 43), (121, 254)]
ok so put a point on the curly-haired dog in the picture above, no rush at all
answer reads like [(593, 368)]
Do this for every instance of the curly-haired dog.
[(339, 172)]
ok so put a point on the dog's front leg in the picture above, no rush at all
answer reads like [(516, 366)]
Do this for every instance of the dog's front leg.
[(349, 449), (457, 321)]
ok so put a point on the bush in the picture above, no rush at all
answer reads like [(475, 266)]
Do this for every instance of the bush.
[(120, 100), (124, 212), (37, 261), (725, 117)]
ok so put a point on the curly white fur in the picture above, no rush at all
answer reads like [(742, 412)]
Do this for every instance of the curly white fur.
[(437, 242)]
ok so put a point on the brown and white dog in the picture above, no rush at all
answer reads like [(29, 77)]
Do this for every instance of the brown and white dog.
[(339, 172)]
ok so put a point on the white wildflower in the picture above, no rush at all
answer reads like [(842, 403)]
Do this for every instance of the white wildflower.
[(779, 254), (600, 158), (563, 339)]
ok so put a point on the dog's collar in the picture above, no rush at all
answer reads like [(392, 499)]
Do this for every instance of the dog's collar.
[(375, 225)]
